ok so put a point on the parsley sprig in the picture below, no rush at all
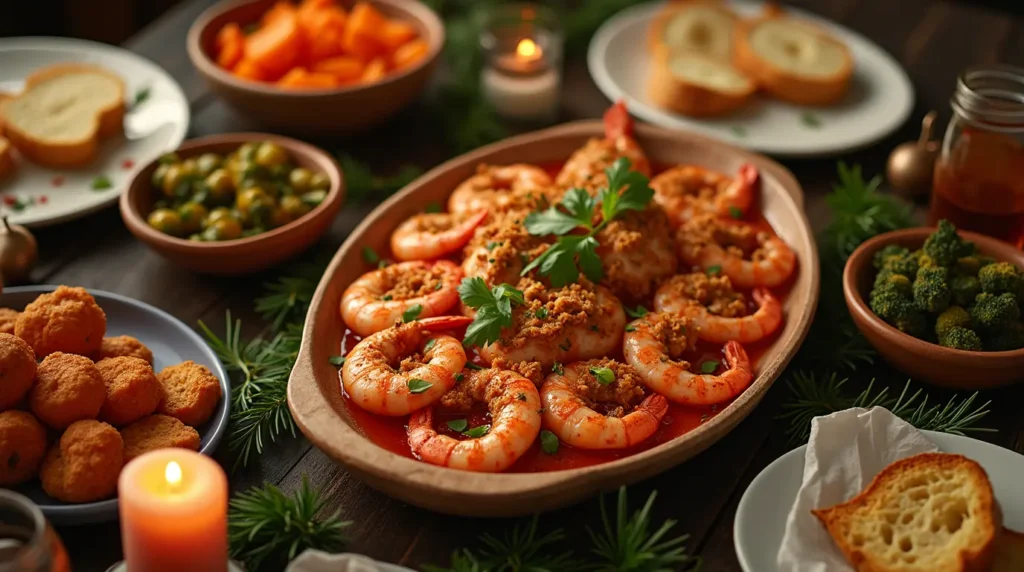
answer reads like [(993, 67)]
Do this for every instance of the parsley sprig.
[(493, 309), (627, 190)]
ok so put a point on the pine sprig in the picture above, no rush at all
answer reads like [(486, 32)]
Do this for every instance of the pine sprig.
[(287, 298), (362, 185), (267, 528), (860, 212), (627, 543)]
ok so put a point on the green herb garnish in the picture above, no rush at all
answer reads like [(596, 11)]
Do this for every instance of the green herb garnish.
[(541, 313), (738, 131), (429, 345), (630, 328), (432, 207), (101, 182), (604, 375), (638, 312), (417, 385), (709, 366), (337, 360), (412, 312), (735, 213), (557, 368), (548, 442), (810, 120), (458, 376), (371, 256), (714, 270), (477, 432), (458, 425), (493, 309)]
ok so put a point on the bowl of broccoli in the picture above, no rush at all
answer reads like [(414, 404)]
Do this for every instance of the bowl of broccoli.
[(941, 305)]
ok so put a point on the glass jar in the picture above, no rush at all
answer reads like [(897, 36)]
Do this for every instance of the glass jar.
[(979, 175), (27, 543)]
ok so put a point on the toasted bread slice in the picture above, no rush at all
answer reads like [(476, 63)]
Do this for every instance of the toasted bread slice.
[(6, 157), (697, 85), (793, 60), (694, 26), (1009, 552), (932, 512), (4, 97), (63, 113)]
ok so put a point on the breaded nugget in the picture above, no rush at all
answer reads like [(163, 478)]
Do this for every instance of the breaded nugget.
[(123, 346), (85, 464), (189, 392), (17, 370), (22, 446), (132, 390), (68, 388), (7, 319), (157, 432), (65, 320)]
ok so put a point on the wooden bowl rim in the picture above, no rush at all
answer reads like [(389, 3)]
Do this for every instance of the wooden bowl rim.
[(861, 260), (308, 404), (416, 10), (139, 183)]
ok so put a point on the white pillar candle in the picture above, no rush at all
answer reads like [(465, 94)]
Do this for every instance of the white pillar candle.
[(530, 97)]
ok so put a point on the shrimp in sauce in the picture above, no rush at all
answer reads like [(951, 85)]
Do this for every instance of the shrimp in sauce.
[(719, 312), (637, 253), (586, 167), (377, 299), (748, 256), (428, 236), (687, 190), (496, 187)]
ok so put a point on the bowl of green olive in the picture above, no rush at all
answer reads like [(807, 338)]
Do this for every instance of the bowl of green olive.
[(234, 203)]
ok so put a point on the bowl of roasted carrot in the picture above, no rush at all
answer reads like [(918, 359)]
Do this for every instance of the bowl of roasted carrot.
[(317, 67)]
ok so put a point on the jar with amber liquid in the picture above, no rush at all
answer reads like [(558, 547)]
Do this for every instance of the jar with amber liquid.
[(979, 175), (27, 542)]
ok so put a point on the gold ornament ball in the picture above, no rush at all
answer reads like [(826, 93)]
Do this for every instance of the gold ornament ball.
[(18, 252), (912, 164)]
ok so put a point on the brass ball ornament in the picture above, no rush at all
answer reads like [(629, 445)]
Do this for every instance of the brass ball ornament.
[(18, 252)]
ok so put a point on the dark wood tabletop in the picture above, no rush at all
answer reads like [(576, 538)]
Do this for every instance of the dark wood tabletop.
[(932, 39)]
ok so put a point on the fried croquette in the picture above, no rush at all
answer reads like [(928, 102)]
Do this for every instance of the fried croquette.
[(118, 346), (189, 392), (7, 319), (17, 370), (132, 390), (157, 432), (85, 464), (68, 388), (65, 320), (22, 446)]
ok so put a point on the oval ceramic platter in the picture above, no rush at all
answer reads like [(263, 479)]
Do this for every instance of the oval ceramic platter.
[(171, 342), (879, 100), (156, 120), (763, 509), (314, 392)]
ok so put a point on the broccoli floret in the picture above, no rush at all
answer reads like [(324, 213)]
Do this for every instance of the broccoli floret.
[(965, 289), (992, 312), (952, 317), (945, 245), (905, 265), (923, 260), (967, 266), (986, 260), (890, 252), (1006, 339), (900, 312), (1001, 277), (961, 339), (900, 283), (931, 290)]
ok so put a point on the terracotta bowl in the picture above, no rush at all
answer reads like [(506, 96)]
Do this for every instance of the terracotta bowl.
[(244, 255), (314, 394), (315, 112), (921, 360)]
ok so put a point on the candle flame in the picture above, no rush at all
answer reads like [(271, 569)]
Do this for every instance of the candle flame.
[(173, 473), (527, 48)]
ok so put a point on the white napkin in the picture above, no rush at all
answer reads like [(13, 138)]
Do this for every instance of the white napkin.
[(845, 452), (317, 561)]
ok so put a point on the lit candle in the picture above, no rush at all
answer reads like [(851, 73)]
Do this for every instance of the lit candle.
[(173, 505)]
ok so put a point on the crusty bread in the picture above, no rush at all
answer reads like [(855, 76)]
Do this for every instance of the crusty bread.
[(696, 85), (6, 157), (693, 26), (792, 59), (1009, 552), (63, 112), (4, 97), (932, 512)]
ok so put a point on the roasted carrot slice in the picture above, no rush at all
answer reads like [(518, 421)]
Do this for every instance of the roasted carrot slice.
[(362, 34), (345, 69), (409, 54), (323, 29), (300, 78), (276, 46), (281, 9), (248, 69), (395, 34), (375, 70), (230, 45)]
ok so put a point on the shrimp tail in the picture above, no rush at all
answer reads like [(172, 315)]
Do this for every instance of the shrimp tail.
[(442, 323), (748, 175), (655, 404), (763, 297), (617, 122), (736, 358)]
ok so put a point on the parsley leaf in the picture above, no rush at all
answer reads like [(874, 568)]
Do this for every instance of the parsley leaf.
[(101, 182), (554, 221), (709, 366), (458, 425), (604, 375), (493, 309), (337, 360), (627, 190), (477, 432), (432, 207), (714, 270), (638, 312), (548, 442), (412, 312), (735, 213), (370, 255), (417, 385), (590, 262)]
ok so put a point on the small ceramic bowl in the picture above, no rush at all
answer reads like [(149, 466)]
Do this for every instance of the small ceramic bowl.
[(921, 360), (315, 112), (244, 255)]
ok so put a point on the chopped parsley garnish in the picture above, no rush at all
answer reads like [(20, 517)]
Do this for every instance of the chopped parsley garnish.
[(493, 309), (386, 297), (709, 366), (477, 432), (565, 346), (627, 190), (638, 312), (438, 286), (140, 97), (471, 365), (459, 377), (604, 375), (101, 182), (557, 368), (548, 442), (738, 131), (630, 328), (370, 255), (492, 245), (735, 213), (458, 425), (714, 270), (412, 312), (337, 360), (810, 120), (541, 313), (417, 385), (432, 208), (429, 345)]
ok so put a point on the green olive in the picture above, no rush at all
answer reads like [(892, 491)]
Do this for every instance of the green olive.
[(313, 198), (247, 151), (220, 186), (300, 179), (158, 176), (280, 217), (190, 166), (249, 197), (192, 215), (270, 154), (172, 177), (294, 206), (223, 229), (217, 214), (166, 221), (207, 162), (319, 182)]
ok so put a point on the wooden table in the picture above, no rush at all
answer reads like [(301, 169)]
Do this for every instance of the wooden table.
[(934, 40)]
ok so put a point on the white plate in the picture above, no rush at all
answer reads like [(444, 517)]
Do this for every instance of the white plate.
[(761, 514), (153, 127), (880, 98)]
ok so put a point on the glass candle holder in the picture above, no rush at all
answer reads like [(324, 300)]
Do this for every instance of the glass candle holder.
[(27, 543), (522, 46)]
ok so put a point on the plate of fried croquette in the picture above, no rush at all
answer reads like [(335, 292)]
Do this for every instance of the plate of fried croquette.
[(89, 380)]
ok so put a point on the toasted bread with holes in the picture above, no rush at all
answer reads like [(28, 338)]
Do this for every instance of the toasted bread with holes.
[(694, 26), (6, 158), (792, 59), (932, 512), (63, 113), (696, 85), (4, 97), (1009, 552)]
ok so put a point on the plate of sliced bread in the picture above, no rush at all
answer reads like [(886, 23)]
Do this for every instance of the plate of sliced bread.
[(958, 509), (777, 80), (76, 118)]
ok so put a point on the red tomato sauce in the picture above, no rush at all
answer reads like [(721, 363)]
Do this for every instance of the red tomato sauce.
[(390, 432)]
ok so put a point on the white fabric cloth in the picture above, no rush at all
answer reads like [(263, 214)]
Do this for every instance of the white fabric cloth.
[(845, 452), (317, 561)]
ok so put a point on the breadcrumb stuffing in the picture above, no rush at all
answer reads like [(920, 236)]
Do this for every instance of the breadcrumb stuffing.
[(615, 399), (547, 313), (531, 370), (502, 248), (403, 282), (489, 386), (713, 292), (740, 240), (637, 252), (677, 332)]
